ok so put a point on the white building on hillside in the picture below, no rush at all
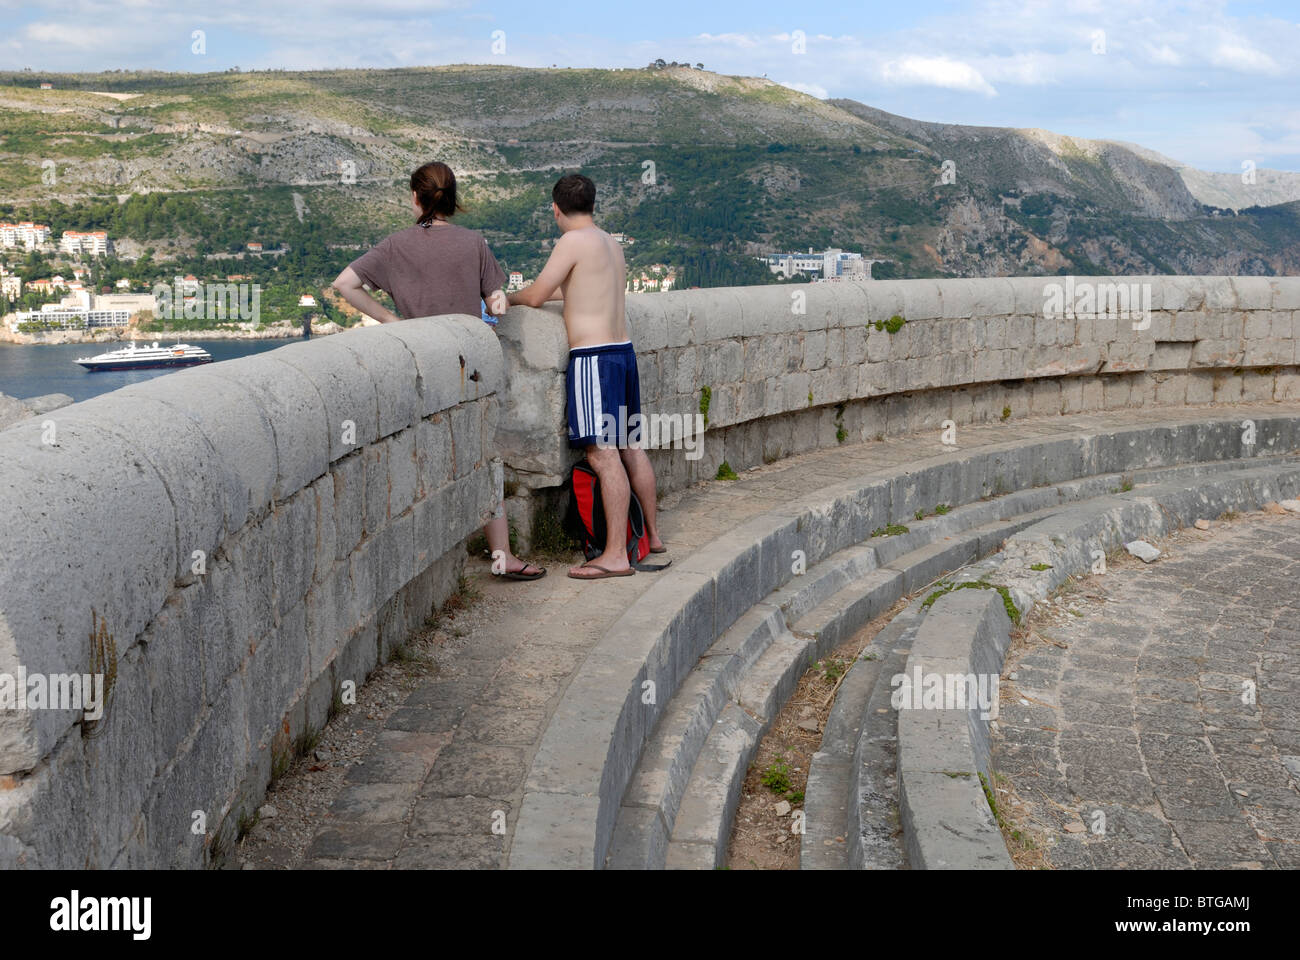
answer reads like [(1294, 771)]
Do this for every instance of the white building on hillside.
[(93, 243), (26, 234), (831, 264)]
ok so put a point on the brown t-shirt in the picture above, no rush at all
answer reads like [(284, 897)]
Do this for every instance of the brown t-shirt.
[(432, 270)]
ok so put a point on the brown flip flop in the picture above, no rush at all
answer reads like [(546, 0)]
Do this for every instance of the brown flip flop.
[(604, 573), (658, 549)]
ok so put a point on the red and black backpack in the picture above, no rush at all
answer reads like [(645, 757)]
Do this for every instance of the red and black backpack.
[(584, 520)]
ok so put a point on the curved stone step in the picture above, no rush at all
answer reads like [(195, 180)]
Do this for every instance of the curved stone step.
[(832, 836), (649, 808), (712, 793), (699, 839), (874, 823)]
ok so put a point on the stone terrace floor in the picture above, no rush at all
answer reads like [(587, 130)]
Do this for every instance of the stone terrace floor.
[(448, 765), (1171, 717)]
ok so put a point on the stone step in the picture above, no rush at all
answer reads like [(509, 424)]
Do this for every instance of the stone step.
[(751, 668), (827, 793), (649, 808), (768, 684), (831, 796), (845, 612), (874, 786), (699, 837)]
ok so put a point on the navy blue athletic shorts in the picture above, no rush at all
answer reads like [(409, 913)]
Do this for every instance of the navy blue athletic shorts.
[(604, 396)]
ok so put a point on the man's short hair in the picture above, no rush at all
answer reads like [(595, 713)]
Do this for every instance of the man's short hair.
[(574, 193)]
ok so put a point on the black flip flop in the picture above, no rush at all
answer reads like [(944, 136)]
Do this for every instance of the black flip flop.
[(520, 575)]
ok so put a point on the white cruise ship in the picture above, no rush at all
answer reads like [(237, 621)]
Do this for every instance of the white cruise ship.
[(146, 358)]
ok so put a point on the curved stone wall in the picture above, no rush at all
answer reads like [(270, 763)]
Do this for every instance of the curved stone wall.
[(253, 536), (792, 368), (235, 544)]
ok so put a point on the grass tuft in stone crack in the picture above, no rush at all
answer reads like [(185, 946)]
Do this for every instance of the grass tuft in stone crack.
[(726, 473), (892, 325), (1003, 824), (103, 663), (889, 530), (706, 397), (1013, 613)]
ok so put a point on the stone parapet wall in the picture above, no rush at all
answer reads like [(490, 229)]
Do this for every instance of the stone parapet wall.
[(254, 536), (793, 368)]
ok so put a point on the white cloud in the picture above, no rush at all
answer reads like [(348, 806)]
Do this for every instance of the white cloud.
[(1164, 54), (1241, 56), (936, 72)]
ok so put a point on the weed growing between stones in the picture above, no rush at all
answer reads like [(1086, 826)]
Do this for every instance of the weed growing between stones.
[(307, 740), (890, 530), (841, 434), (726, 473), (777, 777), (831, 670), (1040, 567), (550, 539), (1017, 841), (1006, 413), (892, 325), (706, 397), (465, 594), (103, 662)]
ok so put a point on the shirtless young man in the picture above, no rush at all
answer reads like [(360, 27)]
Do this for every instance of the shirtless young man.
[(586, 271)]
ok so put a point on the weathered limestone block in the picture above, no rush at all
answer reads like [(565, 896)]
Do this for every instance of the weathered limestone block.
[(1253, 293), (326, 543), (117, 560), (175, 447), (1286, 293), (1217, 353), (392, 367), (375, 458), (292, 534), (292, 403), (646, 322), (884, 300), (403, 475), (922, 300), (957, 299), (346, 388), (233, 425), (349, 475)]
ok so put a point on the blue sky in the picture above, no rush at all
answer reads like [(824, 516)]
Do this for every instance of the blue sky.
[(1207, 82)]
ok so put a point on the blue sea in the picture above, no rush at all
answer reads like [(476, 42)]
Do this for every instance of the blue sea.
[(32, 370)]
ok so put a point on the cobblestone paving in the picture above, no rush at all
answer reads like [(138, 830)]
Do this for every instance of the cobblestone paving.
[(1166, 732), (440, 786)]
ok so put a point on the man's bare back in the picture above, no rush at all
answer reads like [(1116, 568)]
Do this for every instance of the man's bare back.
[(594, 288), (587, 269)]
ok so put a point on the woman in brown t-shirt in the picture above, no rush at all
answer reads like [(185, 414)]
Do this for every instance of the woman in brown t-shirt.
[(431, 269)]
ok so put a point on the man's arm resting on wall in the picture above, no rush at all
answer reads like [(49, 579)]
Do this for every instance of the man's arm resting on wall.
[(547, 285), (349, 287)]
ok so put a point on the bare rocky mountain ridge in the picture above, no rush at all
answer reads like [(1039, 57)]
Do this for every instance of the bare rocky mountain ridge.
[(806, 171)]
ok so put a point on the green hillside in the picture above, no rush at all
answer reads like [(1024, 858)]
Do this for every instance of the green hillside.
[(192, 167)]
